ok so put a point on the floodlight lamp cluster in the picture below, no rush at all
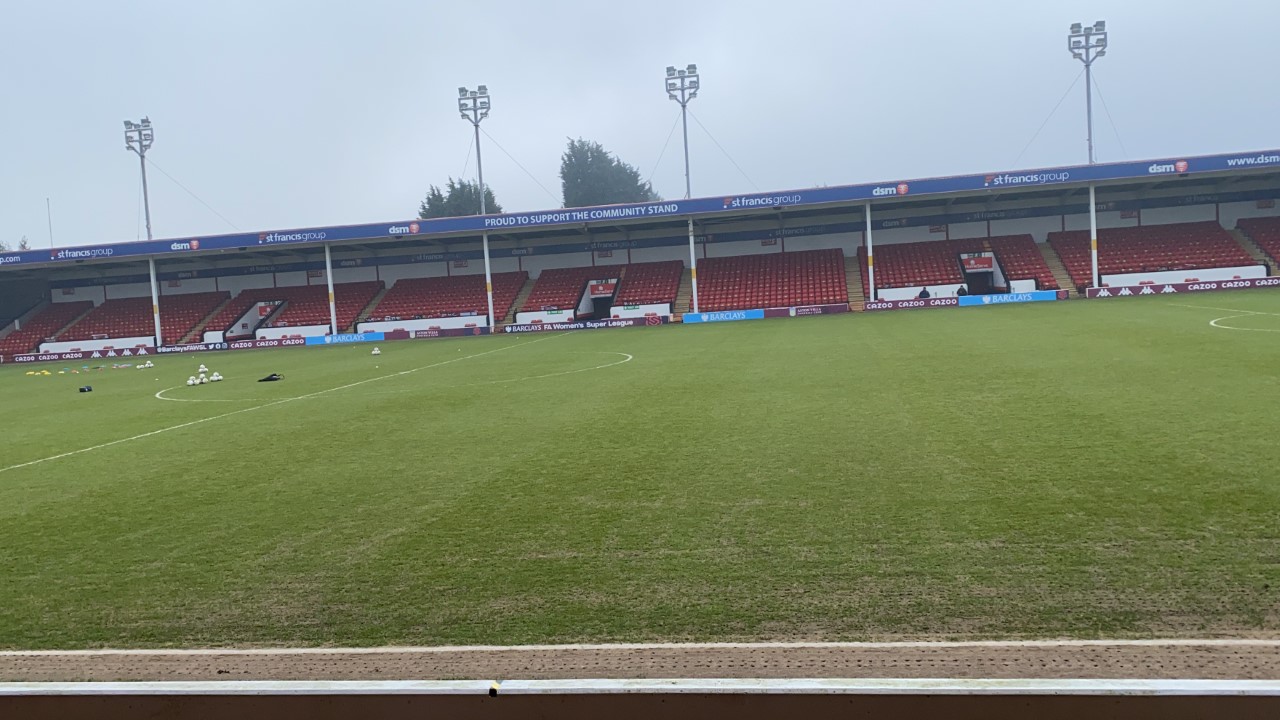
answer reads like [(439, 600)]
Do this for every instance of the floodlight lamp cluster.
[(473, 105), (1088, 41), (138, 135), (682, 85)]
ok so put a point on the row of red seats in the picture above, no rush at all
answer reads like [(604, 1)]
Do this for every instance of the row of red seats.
[(131, 317), (42, 326), (561, 288), (933, 262), (812, 277), (1020, 259), (1150, 248), (309, 304), (304, 304), (649, 283), (415, 298)]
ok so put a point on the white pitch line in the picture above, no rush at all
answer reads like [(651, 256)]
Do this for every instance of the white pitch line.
[(1234, 310), (624, 647), (266, 405)]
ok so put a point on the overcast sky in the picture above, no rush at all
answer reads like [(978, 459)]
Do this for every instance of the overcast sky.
[(316, 112)]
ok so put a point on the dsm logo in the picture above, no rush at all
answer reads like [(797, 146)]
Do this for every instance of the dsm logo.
[(410, 229), (1173, 167), (192, 244), (899, 189)]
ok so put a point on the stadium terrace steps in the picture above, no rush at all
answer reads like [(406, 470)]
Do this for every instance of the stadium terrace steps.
[(521, 298), (1260, 237), (684, 293), (197, 332), (368, 309), (1150, 248), (49, 322), (853, 281), (1059, 270)]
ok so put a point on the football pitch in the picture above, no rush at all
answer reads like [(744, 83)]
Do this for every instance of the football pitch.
[(1079, 469)]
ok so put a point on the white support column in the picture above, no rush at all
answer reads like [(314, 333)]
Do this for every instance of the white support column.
[(488, 278), (693, 266), (328, 278), (155, 300), (1093, 235), (871, 265)]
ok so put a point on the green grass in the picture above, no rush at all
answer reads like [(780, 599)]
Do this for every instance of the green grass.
[(1083, 469)]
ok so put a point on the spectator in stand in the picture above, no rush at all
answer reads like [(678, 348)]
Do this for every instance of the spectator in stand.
[(961, 291), (924, 293)]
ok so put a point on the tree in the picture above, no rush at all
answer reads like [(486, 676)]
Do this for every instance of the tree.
[(4, 246), (590, 175), (23, 244), (460, 197)]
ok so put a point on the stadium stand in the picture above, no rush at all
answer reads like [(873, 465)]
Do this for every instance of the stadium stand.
[(131, 317), (811, 277), (415, 298), (1150, 248), (649, 283), (1021, 259), (1265, 233), (42, 326), (561, 288)]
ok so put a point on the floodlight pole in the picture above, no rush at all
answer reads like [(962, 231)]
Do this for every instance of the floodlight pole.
[(328, 277), (1093, 234), (871, 266), (138, 138), (682, 86), (474, 107), (1086, 45)]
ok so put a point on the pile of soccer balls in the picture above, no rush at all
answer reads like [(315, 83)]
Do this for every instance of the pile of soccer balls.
[(204, 378), (145, 366)]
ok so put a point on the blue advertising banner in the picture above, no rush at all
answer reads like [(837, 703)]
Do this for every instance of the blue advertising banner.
[(724, 316), (871, 192), (1001, 299), (345, 338)]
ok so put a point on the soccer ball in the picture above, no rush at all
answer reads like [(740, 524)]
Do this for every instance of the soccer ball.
[(191, 381)]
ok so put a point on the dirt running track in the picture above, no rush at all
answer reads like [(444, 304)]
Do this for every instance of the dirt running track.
[(1244, 660)]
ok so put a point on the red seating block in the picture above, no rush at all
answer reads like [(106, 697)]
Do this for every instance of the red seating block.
[(416, 298), (42, 326), (812, 277), (1150, 248)]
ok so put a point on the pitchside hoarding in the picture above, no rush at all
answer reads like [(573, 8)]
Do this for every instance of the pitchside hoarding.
[(1174, 288), (586, 324), (913, 303)]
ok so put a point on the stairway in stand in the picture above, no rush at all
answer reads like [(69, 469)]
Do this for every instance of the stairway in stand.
[(519, 303), (1059, 270), (684, 294), (368, 309), (1254, 251), (853, 281), (198, 330)]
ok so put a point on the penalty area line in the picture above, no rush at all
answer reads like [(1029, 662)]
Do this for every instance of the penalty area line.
[(274, 403)]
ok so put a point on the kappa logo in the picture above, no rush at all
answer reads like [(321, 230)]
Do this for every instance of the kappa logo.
[(1168, 289), (1124, 291), (1104, 293), (1147, 291)]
